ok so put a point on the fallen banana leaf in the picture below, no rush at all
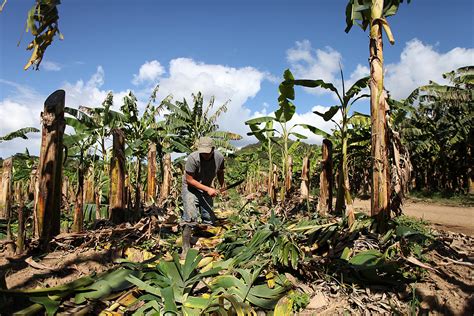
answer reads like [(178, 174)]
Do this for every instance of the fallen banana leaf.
[(47, 298), (244, 289), (108, 283)]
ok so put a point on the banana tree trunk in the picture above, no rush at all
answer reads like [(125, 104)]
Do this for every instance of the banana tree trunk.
[(17, 192), (137, 187), (275, 184), (33, 189), (22, 216), (6, 198), (270, 186), (89, 187), (326, 179), (346, 185), (117, 177), (151, 176), (166, 185), (380, 204), (289, 173), (78, 224), (65, 191), (6, 188), (97, 196), (304, 190), (50, 168)]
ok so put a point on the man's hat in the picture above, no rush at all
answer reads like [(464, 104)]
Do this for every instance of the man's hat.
[(205, 145)]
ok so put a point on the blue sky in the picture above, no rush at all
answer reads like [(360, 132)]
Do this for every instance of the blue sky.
[(232, 49)]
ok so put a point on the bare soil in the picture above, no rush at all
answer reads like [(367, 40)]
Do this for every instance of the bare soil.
[(442, 217)]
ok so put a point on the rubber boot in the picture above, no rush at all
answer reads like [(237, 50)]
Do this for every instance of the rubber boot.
[(187, 230)]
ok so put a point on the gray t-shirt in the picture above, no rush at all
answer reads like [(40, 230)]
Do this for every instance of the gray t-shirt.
[(203, 170)]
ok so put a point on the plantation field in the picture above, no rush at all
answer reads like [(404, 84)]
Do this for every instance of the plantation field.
[(275, 167)]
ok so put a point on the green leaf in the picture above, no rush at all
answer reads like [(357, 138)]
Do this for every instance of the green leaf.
[(259, 120), (287, 91), (287, 75), (285, 112), (356, 88), (315, 130), (20, 133), (316, 84), (144, 286), (367, 259), (329, 114), (405, 231), (197, 302), (113, 281), (300, 136), (169, 300), (50, 305)]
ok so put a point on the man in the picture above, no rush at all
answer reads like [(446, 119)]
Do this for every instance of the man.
[(201, 168)]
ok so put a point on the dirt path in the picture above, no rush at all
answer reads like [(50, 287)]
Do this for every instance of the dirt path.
[(456, 219)]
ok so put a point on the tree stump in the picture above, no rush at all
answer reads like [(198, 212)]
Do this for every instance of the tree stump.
[(50, 168), (117, 177), (151, 176), (304, 190), (325, 179)]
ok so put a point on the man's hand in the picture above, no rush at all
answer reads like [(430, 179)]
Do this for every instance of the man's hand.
[(212, 192)]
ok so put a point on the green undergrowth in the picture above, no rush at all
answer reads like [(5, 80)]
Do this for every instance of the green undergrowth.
[(257, 266)]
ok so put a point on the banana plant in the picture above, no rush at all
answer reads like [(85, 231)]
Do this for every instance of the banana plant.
[(172, 285), (267, 137), (263, 129), (104, 119), (78, 145), (373, 14), (187, 124), (438, 132), (346, 100), (140, 131)]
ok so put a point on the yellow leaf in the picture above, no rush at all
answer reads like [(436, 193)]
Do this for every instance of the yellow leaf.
[(270, 279), (284, 306), (205, 261)]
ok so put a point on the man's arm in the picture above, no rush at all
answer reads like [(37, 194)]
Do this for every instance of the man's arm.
[(220, 178), (198, 185)]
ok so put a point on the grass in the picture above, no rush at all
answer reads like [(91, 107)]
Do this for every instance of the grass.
[(442, 198)]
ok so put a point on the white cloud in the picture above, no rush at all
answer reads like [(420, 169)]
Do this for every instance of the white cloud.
[(358, 73), (87, 93), (238, 85), (419, 63), (149, 72), (308, 63), (21, 111), (50, 66)]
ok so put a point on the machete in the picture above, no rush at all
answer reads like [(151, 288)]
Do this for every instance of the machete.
[(230, 186)]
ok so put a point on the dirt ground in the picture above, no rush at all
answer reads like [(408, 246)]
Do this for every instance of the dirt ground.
[(455, 219)]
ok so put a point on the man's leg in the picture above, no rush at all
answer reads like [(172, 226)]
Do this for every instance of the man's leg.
[(206, 206), (189, 218)]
